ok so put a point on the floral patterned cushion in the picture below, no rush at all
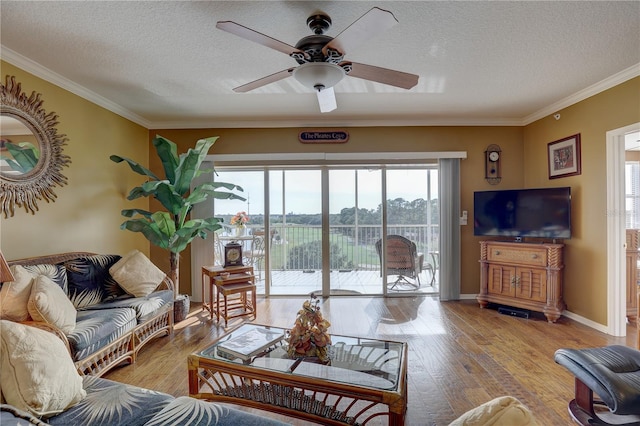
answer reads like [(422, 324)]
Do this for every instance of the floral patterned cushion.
[(185, 411), (57, 274), (112, 403), (97, 328), (11, 416), (146, 307), (90, 281)]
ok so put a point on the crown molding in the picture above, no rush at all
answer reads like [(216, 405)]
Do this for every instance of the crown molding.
[(46, 74), (255, 123), (609, 82)]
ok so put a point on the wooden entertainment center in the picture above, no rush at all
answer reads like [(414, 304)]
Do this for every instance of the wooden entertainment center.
[(522, 275)]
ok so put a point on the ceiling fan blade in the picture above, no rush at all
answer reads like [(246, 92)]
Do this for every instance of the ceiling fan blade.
[(371, 23), (327, 100), (265, 80), (251, 35), (382, 75)]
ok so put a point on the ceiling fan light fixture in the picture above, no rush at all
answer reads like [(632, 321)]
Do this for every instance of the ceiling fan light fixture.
[(318, 75)]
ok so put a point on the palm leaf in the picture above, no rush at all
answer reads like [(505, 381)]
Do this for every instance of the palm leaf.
[(132, 212), (192, 229), (203, 191), (190, 164), (168, 153), (150, 230), (165, 223), (25, 156), (169, 229), (135, 166)]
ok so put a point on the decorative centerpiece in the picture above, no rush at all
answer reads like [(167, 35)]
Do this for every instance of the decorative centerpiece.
[(309, 336), (240, 221)]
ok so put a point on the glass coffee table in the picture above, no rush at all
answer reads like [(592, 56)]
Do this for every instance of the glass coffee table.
[(364, 382)]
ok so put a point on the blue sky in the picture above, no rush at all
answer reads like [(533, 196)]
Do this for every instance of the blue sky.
[(302, 188)]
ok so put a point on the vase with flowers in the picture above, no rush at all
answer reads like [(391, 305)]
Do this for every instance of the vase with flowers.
[(240, 221), (309, 336)]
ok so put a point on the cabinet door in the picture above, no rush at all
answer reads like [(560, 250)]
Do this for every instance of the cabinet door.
[(531, 284), (501, 280)]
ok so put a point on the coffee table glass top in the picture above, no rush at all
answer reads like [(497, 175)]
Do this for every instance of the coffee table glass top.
[(355, 361)]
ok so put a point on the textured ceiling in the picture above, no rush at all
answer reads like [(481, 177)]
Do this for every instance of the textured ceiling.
[(164, 64)]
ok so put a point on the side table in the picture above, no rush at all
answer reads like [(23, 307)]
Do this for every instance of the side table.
[(240, 281)]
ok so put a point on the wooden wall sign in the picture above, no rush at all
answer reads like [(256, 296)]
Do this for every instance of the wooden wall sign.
[(323, 136)]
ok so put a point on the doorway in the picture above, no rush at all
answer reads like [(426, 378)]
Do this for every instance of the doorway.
[(616, 275)]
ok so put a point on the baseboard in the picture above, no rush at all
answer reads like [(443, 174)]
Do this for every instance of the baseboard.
[(589, 323), (577, 318), (468, 296)]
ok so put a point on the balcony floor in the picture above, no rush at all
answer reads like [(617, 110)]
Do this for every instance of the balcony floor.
[(285, 283)]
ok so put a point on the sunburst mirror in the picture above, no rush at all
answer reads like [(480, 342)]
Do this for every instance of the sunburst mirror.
[(31, 158)]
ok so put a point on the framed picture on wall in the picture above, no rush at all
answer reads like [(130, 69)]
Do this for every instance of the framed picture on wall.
[(564, 157)]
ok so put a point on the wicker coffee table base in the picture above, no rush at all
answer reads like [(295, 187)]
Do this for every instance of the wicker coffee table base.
[(311, 399)]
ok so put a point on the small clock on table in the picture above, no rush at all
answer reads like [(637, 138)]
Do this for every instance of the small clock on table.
[(233, 254)]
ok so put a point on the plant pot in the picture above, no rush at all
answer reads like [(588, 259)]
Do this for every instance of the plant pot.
[(181, 307)]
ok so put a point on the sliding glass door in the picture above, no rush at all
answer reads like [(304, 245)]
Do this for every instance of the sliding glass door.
[(322, 227), (295, 226), (355, 225), (413, 212)]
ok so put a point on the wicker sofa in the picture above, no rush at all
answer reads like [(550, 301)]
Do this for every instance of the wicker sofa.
[(111, 326), (39, 384)]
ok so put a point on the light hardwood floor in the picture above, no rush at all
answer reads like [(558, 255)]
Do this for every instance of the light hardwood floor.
[(459, 355)]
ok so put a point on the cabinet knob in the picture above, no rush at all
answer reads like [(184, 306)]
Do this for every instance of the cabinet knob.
[(497, 252), (535, 256)]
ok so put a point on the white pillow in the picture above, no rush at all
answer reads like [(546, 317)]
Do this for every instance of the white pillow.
[(501, 411), (14, 295), (48, 303), (136, 274), (36, 371)]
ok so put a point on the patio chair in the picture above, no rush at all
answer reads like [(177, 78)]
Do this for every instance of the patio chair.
[(255, 256), (218, 250), (402, 259)]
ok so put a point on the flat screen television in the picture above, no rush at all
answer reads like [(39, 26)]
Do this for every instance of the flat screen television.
[(523, 213)]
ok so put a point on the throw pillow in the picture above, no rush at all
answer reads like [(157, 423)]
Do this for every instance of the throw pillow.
[(136, 274), (37, 373), (89, 279), (501, 411), (14, 295), (48, 303)]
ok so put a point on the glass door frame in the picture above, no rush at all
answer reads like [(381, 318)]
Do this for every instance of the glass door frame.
[(203, 250)]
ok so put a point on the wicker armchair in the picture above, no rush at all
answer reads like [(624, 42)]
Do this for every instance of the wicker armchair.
[(402, 260)]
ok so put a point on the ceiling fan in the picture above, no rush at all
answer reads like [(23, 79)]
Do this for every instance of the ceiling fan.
[(321, 57)]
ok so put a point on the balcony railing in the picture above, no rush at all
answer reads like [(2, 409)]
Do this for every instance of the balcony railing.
[(298, 247)]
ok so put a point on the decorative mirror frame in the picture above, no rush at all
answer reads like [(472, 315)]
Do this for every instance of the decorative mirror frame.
[(37, 184)]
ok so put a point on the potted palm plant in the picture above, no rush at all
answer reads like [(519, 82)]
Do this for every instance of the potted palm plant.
[(172, 229)]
